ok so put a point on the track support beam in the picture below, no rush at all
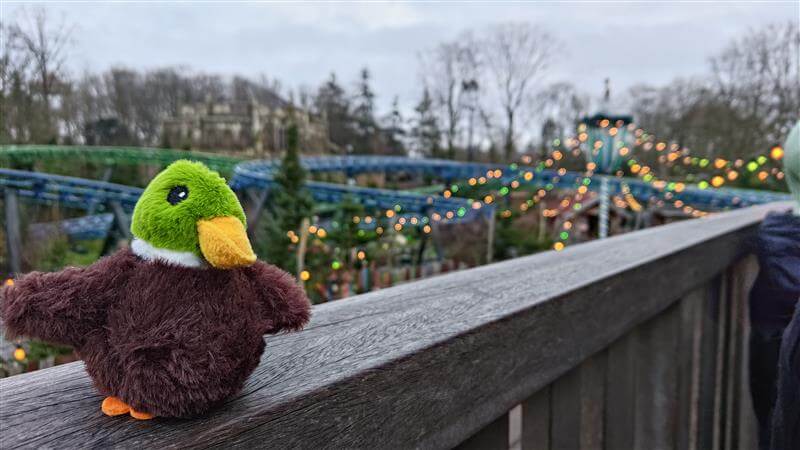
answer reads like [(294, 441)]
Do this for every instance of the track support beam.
[(13, 234), (258, 200)]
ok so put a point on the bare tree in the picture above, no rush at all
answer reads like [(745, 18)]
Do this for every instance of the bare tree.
[(758, 76), (13, 65), (744, 106), (562, 105), (451, 72), (515, 56), (491, 132), (45, 44)]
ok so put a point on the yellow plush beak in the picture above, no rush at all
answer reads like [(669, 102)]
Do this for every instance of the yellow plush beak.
[(224, 243)]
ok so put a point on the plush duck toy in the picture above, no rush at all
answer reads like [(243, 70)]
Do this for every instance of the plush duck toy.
[(174, 324)]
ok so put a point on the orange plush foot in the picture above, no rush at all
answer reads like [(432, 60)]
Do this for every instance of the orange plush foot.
[(141, 415), (113, 406)]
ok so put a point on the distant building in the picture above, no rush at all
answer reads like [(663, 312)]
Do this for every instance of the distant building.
[(243, 127)]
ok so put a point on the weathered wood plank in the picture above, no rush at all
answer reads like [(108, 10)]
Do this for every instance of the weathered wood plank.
[(593, 395), (708, 366), (688, 366), (732, 362), (536, 419), (577, 406), (566, 412), (721, 376), (620, 415), (424, 364), (656, 382), (742, 427)]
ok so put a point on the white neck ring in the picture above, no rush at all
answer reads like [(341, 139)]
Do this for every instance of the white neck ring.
[(148, 252)]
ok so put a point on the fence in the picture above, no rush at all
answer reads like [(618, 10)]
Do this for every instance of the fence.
[(637, 341)]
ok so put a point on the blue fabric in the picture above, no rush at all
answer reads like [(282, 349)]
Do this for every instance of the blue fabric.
[(777, 287), (772, 304), (786, 415)]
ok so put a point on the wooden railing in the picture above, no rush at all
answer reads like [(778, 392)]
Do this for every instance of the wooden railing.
[(637, 341)]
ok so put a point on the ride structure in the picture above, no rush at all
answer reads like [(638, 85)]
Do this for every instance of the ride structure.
[(109, 205)]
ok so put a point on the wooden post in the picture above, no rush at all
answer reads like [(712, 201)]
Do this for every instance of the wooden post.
[(490, 239), (688, 366), (13, 236), (656, 382), (621, 392), (536, 421), (421, 251), (577, 406), (542, 222), (437, 240), (301, 249)]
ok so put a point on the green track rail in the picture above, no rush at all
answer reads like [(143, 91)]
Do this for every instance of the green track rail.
[(29, 154)]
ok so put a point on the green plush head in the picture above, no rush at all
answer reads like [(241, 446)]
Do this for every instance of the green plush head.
[(791, 164), (185, 193)]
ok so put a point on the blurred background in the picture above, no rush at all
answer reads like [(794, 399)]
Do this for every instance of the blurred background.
[(522, 101)]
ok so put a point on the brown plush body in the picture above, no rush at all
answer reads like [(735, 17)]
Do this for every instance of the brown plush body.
[(171, 341)]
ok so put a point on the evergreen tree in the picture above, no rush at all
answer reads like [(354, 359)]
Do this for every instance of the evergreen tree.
[(549, 133), (290, 202), (333, 103), (393, 130), (426, 131), (364, 115)]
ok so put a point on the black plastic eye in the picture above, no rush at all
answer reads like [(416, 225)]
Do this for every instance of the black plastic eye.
[(177, 195)]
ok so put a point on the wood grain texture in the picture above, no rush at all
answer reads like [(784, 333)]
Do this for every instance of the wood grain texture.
[(424, 364)]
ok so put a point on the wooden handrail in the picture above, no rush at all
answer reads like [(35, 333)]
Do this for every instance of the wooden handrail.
[(424, 364)]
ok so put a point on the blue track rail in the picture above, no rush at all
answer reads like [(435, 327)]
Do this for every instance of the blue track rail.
[(96, 195)]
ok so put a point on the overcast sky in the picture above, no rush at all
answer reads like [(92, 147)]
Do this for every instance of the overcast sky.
[(301, 44)]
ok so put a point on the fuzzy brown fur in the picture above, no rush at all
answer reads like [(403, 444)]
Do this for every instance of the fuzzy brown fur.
[(171, 341)]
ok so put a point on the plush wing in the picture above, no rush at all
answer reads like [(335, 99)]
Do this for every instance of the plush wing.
[(284, 304), (63, 307)]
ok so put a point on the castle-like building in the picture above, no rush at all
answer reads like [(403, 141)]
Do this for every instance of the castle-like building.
[(248, 128)]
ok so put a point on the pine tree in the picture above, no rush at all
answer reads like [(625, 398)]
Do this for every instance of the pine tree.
[(393, 130), (426, 131), (290, 202), (549, 133), (364, 114), (333, 103)]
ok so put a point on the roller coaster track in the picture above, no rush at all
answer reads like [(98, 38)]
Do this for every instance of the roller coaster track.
[(29, 154), (257, 176)]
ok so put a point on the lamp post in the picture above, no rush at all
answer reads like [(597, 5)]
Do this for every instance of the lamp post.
[(604, 138)]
